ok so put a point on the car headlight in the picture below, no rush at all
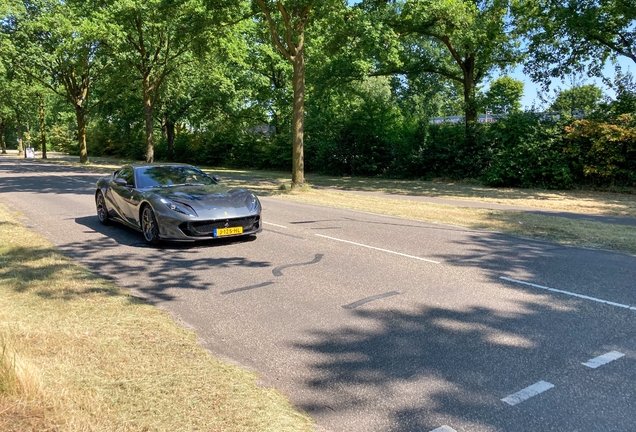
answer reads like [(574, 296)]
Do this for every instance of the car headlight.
[(179, 207), (251, 202)]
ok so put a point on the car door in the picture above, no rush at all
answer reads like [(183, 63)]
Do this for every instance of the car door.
[(125, 197)]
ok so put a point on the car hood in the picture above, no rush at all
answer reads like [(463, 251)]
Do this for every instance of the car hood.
[(207, 198)]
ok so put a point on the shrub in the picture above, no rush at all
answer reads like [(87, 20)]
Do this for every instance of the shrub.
[(528, 150), (64, 139), (445, 152), (606, 149)]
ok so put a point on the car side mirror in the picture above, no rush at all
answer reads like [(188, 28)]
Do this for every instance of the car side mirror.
[(216, 178), (120, 182)]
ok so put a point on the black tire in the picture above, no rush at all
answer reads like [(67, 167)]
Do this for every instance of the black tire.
[(102, 210), (149, 226)]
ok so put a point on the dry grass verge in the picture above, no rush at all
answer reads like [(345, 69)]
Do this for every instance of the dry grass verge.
[(576, 201), (79, 354), (550, 228)]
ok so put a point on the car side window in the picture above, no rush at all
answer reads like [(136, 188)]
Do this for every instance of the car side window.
[(126, 174)]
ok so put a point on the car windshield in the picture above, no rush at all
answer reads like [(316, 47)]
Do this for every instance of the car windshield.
[(158, 176)]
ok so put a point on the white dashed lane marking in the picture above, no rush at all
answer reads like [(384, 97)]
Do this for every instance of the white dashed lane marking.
[(527, 393), (378, 249), (571, 294), (603, 359), (273, 224)]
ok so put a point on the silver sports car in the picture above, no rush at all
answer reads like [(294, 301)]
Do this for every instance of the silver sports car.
[(176, 202)]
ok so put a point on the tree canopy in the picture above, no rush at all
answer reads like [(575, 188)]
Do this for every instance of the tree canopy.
[(575, 36), (371, 87)]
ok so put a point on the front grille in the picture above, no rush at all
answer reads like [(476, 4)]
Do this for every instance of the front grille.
[(206, 228)]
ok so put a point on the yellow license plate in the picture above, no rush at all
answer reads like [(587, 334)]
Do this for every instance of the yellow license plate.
[(220, 232)]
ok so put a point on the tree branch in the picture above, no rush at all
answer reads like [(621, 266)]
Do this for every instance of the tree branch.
[(272, 30)]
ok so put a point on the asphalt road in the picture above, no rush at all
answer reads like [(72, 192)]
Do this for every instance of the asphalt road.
[(377, 323)]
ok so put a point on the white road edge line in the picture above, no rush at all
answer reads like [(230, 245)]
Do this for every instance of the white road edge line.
[(570, 294), (378, 249), (444, 429), (603, 359), (273, 224), (527, 393)]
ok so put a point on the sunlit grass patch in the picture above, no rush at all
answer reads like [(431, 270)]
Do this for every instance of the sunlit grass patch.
[(551, 228), (99, 359), (17, 377)]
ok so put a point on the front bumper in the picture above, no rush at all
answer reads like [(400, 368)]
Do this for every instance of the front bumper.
[(204, 230)]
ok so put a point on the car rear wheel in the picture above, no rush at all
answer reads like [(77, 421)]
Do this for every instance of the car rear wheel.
[(149, 225), (102, 210)]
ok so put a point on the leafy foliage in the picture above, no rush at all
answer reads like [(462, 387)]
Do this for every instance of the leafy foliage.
[(365, 136), (567, 36), (503, 96), (462, 41), (528, 150), (578, 99), (606, 149), (333, 87)]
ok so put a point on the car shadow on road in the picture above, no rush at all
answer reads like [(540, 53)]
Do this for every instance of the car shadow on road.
[(157, 273), (126, 236)]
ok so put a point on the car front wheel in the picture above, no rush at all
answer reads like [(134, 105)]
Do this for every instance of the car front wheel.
[(102, 210), (149, 225)]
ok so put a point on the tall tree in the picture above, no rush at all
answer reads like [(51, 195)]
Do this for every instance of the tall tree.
[(5, 108), (42, 124), (3, 134), (504, 96), (288, 22), (575, 36), (268, 74), (583, 98), (17, 102), (460, 40), (57, 44), (152, 38)]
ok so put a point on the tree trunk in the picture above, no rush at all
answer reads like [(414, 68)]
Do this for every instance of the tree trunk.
[(81, 132), (170, 136), (20, 145), (150, 138), (42, 132), (3, 137), (470, 105), (298, 120), (469, 100)]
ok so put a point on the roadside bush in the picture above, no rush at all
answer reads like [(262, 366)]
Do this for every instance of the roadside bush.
[(278, 152), (606, 150), (64, 139), (116, 137), (445, 152), (227, 147), (528, 150), (204, 148), (359, 133)]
